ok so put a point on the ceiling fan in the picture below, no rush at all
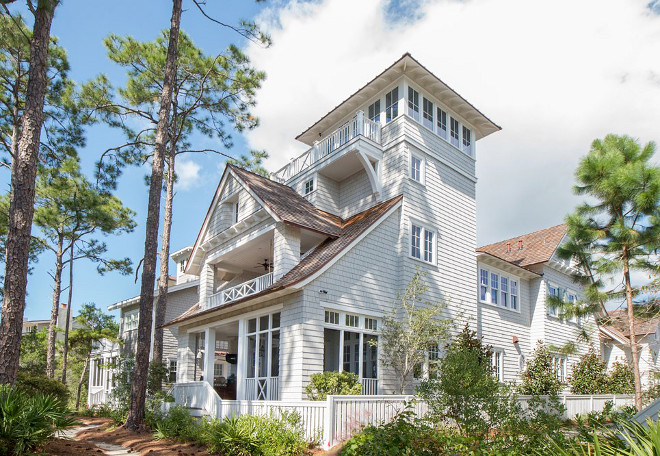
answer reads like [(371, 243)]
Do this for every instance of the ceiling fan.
[(267, 265)]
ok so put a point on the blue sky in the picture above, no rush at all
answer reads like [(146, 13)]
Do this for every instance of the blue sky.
[(555, 75)]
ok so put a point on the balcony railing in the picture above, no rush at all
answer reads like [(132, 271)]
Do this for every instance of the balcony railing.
[(359, 125), (240, 291)]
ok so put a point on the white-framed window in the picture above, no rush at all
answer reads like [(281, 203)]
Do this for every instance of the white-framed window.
[(422, 243), (454, 132), (171, 371), (496, 359), (559, 367), (308, 186), (413, 103), (263, 351), (218, 370), (222, 345), (370, 323), (499, 289), (237, 211), (553, 291), (417, 165), (332, 317), (391, 105), (441, 123), (374, 111), (352, 321), (131, 320), (467, 140), (427, 113)]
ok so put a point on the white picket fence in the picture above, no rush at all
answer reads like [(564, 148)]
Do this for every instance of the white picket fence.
[(339, 417)]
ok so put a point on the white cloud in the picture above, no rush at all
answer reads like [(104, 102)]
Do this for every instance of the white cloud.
[(554, 75), (187, 173)]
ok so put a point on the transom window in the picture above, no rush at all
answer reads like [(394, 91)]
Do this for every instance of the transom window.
[(352, 320), (413, 103), (422, 242), (427, 113), (374, 111), (308, 186), (498, 289), (371, 323), (441, 123), (391, 105), (454, 132), (332, 317), (496, 364), (417, 168)]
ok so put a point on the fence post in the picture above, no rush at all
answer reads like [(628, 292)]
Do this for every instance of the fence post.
[(328, 425), (591, 403)]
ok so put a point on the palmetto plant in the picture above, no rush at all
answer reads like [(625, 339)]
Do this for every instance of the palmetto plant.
[(28, 420)]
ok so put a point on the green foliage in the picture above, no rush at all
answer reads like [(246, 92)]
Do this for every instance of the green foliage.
[(621, 379), (539, 377), (465, 392), (177, 424), (589, 375), (41, 384), (156, 377), (412, 329), (250, 435), (252, 162), (332, 383), (32, 358), (28, 419)]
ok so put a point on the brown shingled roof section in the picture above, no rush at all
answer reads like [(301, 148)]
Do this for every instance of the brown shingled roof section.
[(644, 324), (537, 247), (350, 230), (288, 205)]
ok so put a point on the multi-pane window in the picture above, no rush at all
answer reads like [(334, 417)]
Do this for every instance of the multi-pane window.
[(131, 320), (171, 371), (416, 167), (332, 317), (497, 365), (467, 140), (222, 345), (559, 367), (371, 323), (413, 103), (218, 370), (427, 113), (553, 291), (391, 105), (453, 131), (441, 123), (263, 354), (374, 111), (308, 187), (352, 320), (422, 250), (499, 289)]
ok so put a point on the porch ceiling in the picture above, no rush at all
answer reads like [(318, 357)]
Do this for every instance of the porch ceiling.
[(248, 256)]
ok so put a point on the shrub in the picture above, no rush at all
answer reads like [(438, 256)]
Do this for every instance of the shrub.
[(177, 424), (328, 383), (28, 419), (250, 435), (539, 376), (621, 379), (589, 375), (42, 384)]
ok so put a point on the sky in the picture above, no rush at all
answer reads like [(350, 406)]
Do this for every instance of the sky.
[(554, 75)]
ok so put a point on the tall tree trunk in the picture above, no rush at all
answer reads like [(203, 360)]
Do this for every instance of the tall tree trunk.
[(139, 385), (65, 351), (161, 305), (634, 349), (21, 201), (55, 310), (80, 382)]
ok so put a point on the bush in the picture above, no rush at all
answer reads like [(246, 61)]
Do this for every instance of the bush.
[(329, 383), (589, 375), (177, 424), (250, 435), (621, 379), (29, 419), (42, 384), (539, 377)]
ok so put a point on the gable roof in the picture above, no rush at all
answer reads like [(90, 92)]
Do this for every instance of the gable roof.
[(409, 66), (618, 320), (537, 247), (352, 230)]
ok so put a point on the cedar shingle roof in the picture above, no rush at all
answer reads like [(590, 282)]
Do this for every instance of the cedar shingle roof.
[(537, 247), (288, 205), (644, 324), (349, 231)]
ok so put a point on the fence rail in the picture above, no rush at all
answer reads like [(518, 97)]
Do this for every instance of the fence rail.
[(339, 417)]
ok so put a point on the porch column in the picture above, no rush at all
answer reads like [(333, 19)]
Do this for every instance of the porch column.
[(286, 249), (209, 354), (241, 361)]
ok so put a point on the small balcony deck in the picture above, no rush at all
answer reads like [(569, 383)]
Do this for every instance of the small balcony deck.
[(359, 125), (242, 290)]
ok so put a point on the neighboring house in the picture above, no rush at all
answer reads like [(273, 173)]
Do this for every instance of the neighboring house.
[(38, 325), (615, 343), (294, 274)]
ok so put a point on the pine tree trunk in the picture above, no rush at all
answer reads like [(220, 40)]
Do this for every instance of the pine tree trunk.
[(54, 313), (80, 382), (161, 305), (21, 203), (139, 385), (634, 349), (65, 351)]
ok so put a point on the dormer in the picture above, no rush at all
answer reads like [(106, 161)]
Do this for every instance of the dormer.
[(180, 258)]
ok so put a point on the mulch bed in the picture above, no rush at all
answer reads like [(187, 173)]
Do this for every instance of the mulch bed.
[(62, 447)]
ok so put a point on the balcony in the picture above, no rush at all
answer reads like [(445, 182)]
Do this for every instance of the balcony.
[(242, 290), (358, 126)]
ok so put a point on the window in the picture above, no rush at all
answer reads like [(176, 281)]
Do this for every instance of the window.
[(553, 291), (559, 367), (352, 320), (441, 123), (131, 320), (171, 371), (427, 113), (413, 103), (498, 289), (416, 168), (417, 250), (308, 186), (391, 105), (332, 317), (218, 370), (497, 365), (237, 211), (222, 345), (467, 141), (454, 134), (374, 111), (263, 355), (371, 323)]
